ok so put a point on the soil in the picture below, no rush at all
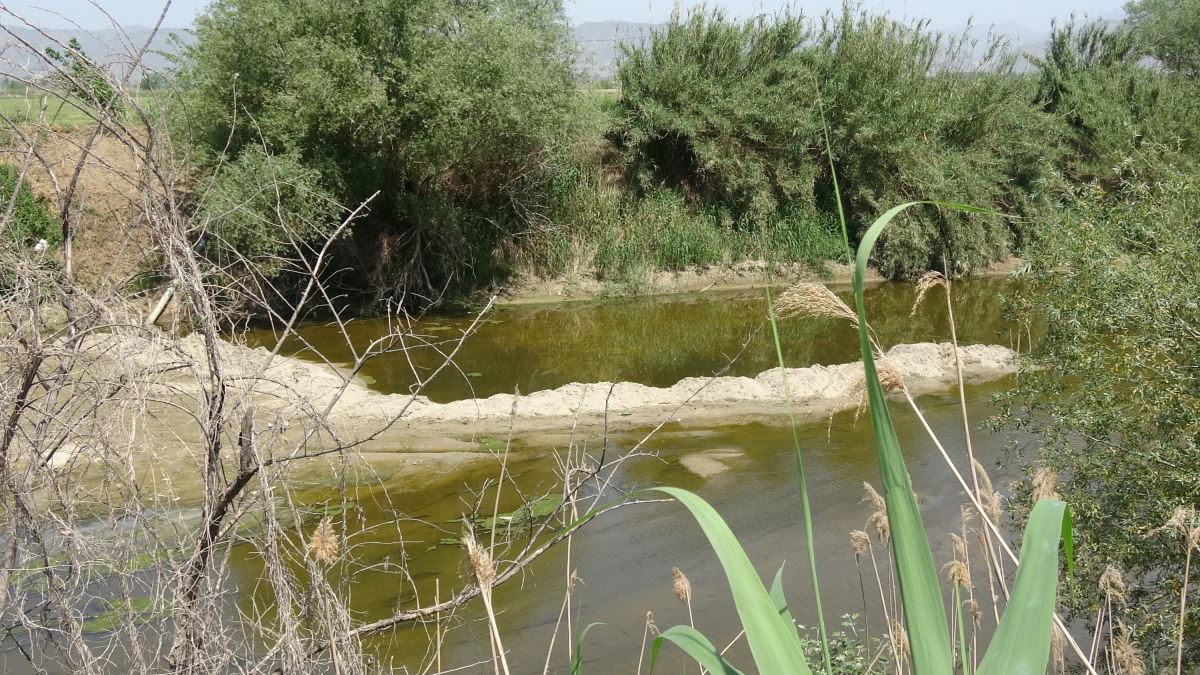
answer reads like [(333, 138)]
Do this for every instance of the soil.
[(284, 389)]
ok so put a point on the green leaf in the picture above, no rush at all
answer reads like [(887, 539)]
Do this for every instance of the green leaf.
[(773, 640), (802, 478), (577, 657), (695, 645), (1022, 640), (920, 592), (779, 599)]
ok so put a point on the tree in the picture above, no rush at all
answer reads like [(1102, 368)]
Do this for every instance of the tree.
[(81, 77), (446, 108), (732, 114), (1113, 391), (1168, 30)]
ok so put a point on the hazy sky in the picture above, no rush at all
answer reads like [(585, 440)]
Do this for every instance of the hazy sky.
[(1035, 14)]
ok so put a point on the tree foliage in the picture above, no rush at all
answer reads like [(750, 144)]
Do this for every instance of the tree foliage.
[(1168, 30), (733, 113), (446, 108), (1113, 389)]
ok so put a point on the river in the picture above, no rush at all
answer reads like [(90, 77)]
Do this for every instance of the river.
[(624, 560)]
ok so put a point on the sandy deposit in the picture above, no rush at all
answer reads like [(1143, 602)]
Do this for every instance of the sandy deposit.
[(285, 390), (924, 367)]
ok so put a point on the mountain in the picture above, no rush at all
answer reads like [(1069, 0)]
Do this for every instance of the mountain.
[(111, 48), (600, 44)]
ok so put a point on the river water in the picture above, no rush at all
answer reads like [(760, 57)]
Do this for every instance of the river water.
[(624, 560)]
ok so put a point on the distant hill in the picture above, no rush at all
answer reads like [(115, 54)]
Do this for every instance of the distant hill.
[(600, 44), (110, 48)]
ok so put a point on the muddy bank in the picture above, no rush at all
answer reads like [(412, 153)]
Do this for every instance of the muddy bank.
[(410, 442), (814, 391), (525, 289), (285, 389)]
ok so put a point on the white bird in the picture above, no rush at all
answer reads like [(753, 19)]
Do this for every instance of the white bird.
[(41, 246)]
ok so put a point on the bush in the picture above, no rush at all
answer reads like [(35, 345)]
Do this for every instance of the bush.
[(30, 220), (1113, 110), (731, 115), (447, 109), (1113, 394)]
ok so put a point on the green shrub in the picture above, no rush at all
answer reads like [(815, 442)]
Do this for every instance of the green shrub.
[(721, 110), (1114, 110), (732, 115), (260, 207), (1113, 394), (447, 109), (30, 219)]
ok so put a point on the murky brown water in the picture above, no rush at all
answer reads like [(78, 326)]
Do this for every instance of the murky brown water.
[(624, 560), (653, 341)]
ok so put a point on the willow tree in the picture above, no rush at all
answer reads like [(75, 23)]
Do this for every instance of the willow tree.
[(446, 108)]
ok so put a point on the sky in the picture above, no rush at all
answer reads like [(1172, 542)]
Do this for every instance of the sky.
[(1034, 14)]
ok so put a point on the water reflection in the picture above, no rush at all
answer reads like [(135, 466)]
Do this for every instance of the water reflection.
[(651, 341)]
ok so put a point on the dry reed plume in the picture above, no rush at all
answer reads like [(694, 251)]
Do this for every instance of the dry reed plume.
[(928, 281), (1044, 483), (1112, 584), (323, 544), (878, 520), (956, 573), (811, 299), (1126, 655)]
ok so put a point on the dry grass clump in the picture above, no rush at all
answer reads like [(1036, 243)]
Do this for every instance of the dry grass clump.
[(811, 299)]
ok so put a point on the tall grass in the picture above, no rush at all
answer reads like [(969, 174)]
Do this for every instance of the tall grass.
[(600, 228), (1022, 640)]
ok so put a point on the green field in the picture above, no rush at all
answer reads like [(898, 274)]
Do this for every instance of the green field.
[(21, 107)]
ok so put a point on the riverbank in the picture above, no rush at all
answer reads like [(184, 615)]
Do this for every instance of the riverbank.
[(284, 390), (530, 289)]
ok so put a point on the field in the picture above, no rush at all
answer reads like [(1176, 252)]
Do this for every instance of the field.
[(24, 107)]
